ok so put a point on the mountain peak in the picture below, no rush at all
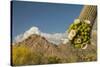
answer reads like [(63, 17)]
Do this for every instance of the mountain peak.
[(55, 38)]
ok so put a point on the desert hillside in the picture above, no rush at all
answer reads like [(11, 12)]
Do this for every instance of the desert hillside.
[(37, 49)]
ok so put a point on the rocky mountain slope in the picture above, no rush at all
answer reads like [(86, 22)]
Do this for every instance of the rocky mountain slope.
[(52, 53)]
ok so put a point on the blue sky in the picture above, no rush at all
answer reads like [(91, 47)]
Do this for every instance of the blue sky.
[(49, 18)]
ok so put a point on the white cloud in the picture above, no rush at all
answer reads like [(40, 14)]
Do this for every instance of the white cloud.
[(32, 30), (21, 37), (18, 38), (55, 38)]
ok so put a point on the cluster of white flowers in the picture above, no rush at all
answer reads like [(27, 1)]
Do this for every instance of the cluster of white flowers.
[(78, 31), (71, 34)]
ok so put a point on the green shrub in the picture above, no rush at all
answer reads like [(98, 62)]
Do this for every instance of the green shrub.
[(53, 59), (23, 55)]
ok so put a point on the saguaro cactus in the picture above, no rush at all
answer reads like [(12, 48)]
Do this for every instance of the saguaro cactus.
[(88, 12), (79, 31)]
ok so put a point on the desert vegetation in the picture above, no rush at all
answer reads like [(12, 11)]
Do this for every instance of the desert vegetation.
[(25, 55)]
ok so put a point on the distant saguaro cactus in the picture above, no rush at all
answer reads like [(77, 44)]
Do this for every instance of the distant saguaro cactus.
[(80, 30)]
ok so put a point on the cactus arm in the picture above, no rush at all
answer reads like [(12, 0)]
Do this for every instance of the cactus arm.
[(89, 12), (80, 30)]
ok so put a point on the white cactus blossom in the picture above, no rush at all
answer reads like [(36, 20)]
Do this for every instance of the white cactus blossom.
[(87, 21), (84, 47), (71, 34), (79, 40), (76, 21)]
